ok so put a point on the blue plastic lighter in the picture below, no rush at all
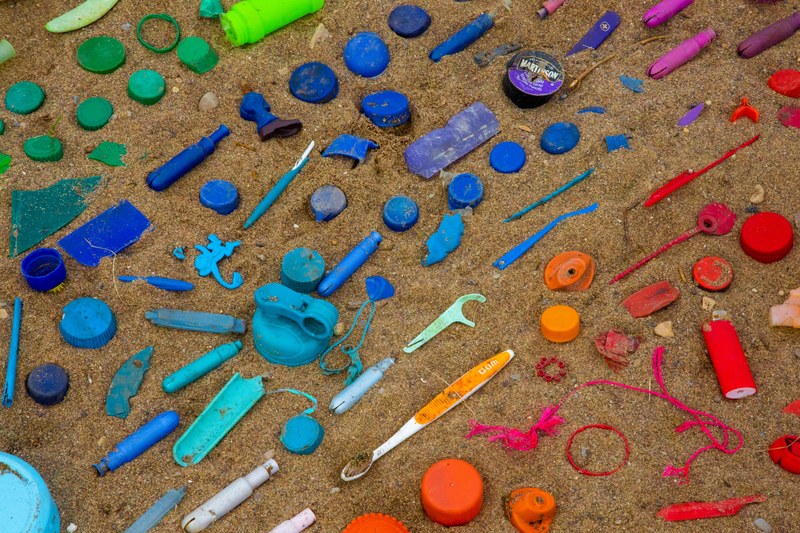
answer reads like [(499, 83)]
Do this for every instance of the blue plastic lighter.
[(463, 37), (349, 264), (138, 442), (184, 162)]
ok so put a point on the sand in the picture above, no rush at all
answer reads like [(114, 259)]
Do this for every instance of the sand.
[(63, 441)]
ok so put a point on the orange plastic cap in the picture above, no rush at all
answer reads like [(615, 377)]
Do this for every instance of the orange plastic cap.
[(452, 492), (570, 271), (376, 523), (560, 323), (531, 510)]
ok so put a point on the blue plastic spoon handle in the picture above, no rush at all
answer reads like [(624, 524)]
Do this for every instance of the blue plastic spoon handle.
[(463, 37), (13, 353), (274, 193)]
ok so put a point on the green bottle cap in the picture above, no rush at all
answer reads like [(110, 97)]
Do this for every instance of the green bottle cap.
[(101, 55), (44, 148), (94, 113), (197, 54), (146, 86), (24, 97)]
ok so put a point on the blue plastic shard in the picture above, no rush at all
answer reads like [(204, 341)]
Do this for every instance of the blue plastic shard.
[(463, 133), (178, 253), (126, 383), (634, 84), (601, 31), (691, 116), (617, 142), (350, 146), (595, 110), (105, 235), (379, 288), (156, 513), (207, 262), (446, 239)]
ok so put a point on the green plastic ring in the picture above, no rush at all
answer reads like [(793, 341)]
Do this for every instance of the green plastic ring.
[(160, 16)]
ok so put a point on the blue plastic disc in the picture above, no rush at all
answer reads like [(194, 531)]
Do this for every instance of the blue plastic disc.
[(47, 384), (220, 195), (302, 435), (44, 269), (302, 269), (366, 54), (409, 21), (386, 109), (88, 323), (507, 157), (327, 202), (466, 190), (400, 213), (560, 138), (314, 82)]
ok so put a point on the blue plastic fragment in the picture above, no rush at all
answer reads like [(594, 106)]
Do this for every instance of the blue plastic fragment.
[(691, 116), (302, 269), (126, 383), (446, 239), (596, 110), (560, 138), (207, 262), (350, 146), (463, 37), (166, 284), (409, 21), (379, 288), (302, 435), (13, 355), (255, 108), (366, 54), (465, 190), (507, 157), (105, 235), (617, 142), (156, 513), (314, 83), (87, 323), (601, 31), (386, 109), (47, 384), (195, 321), (328, 202), (138, 442), (183, 163), (178, 253), (220, 195), (400, 213), (634, 84)]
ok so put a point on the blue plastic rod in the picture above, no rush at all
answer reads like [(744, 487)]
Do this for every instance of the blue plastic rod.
[(13, 352), (567, 186)]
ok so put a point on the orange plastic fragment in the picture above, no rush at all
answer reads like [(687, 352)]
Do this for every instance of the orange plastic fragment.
[(745, 110), (531, 510), (569, 271)]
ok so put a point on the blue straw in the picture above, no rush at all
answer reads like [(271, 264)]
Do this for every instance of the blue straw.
[(155, 514), (552, 195), (13, 352)]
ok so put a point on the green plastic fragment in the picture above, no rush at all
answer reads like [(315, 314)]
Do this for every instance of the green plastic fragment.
[(6, 51), (24, 97), (44, 148), (197, 54), (109, 153), (146, 86), (211, 9), (5, 161), (35, 215), (126, 383), (2, 127), (94, 113), (101, 55), (81, 16)]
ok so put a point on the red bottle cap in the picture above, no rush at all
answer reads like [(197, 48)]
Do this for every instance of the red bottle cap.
[(713, 273), (767, 237), (452, 492), (376, 523)]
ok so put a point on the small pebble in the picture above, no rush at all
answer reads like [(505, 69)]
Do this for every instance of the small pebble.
[(208, 102), (516, 377), (338, 329), (261, 257), (126, 26), (320, 34), (3, 314), (797, 220), (335, 490), (72, 528), (664, 329), (709, 303), (797, 353), (762, 525), (758, 196)]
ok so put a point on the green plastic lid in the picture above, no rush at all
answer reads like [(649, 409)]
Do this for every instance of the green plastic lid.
[(197, 54), (44, 148), (101, 55), (24, 97), (146, 86), (94, 113)]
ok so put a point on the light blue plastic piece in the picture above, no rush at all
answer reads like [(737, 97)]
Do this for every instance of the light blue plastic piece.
[(13, 354), (26, 505), (379, 288), (166, 284), (351, 394), (235, 399), (126, 383), (195, 321), (617, 142), (156, 513), (634, 84), (594, 109), (200, 367), (302, 435), (178, 253), (207, 262), (446, 239), (350, 146)]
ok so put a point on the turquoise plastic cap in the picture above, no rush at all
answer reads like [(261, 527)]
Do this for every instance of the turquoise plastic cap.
[(88, 323), (26, 505), (302, 435)]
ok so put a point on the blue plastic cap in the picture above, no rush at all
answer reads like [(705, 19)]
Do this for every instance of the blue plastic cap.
[(560, 138), (302, 435), (400, 213), (88, 323), (47, 384), (366, 54), (507, 157), (302, 269), (386, 109), (220, 195), (466, 190), (409, 21), (314, 83), (327, 202), (44, 269)]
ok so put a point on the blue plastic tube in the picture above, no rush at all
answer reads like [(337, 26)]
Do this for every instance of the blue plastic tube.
[(463, 37), (184, 162), (351, 394), (138, 442), (156, 513), (13, 353), (349, 264), (200, 367)]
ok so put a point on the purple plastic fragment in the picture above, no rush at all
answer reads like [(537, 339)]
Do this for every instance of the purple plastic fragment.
[(463, 133), (350, 146), (769, 36), (601, 31), (691, 116)]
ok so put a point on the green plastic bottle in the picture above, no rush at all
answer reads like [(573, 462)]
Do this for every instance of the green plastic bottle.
[(249, 21)]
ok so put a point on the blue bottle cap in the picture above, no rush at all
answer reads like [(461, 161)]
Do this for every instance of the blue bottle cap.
[(560, 138), (47, 384), (302, 269), (466, 190), (400, 213), (220, 195), (327, 202), (314, 83), (386, 109), (507, 157), (88, 323), (26, 504), (409, 21), (44, 269), (302, 435), (366, 54)]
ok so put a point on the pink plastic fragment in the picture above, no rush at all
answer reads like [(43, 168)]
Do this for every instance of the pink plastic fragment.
[(614, 346), (695, 510), (651, 299), (790, 117)]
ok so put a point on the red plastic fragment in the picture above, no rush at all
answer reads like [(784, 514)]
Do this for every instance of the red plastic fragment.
[(786, 82), (651, 299), (793, 408), (745, 110), (790, 117), (614, 346), (695, 510), (785, 452)]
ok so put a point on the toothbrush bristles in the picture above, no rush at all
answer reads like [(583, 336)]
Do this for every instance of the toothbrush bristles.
[(358, 464)]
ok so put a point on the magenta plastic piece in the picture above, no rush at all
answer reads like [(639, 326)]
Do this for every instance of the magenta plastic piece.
[(663, 11), (681, 54), (769, 36)]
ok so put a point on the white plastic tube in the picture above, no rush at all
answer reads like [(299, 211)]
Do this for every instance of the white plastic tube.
[(298, 524)]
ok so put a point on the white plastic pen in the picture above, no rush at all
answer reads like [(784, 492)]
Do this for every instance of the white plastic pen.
[(298, 524)]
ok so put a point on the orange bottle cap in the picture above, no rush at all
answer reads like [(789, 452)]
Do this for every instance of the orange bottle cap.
[(570, 271), (560, 323), (376, 523), (531, 510), (452, 492)]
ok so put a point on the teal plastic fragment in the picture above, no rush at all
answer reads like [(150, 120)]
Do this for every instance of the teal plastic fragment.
[(126, 383), (109, 153), (211, 9), (235, 399), (156, 513), (200, 367), (446, 239)]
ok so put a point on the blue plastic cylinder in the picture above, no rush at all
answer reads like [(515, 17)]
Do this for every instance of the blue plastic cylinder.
[(44, 269), (138, 442), (386, 109), (26, 504), (302, 269), (47, 384), (88, 323), (349, 264), (180, 165), (507, 157), (465, 190), (302, 435), (220, 195), (400, 213)]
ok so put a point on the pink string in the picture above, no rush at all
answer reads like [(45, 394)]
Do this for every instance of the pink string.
[(549, 421)]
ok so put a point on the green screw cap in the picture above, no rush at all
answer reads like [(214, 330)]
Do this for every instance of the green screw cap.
[(197, 54), (94, 113), (146, 86), (101, 55), (24, 98), (44, 148)]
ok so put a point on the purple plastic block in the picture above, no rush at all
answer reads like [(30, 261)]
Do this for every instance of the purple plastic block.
[(463, 133), (601, 31)]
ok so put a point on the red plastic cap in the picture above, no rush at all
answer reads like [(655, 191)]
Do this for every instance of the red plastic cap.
[(767, 237), (452, 492), (376, 523), (713, 273)]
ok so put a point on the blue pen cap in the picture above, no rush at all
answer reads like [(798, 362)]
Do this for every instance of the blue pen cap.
[(314, 83), (327, 203), (409, 21), (507, 157), (465, 190), (386, 109), (220, 195), (302, 435), (366, 54), (302, 269), (47, 384), (400, 213), (88, 323), (26, 505), (44, 269)]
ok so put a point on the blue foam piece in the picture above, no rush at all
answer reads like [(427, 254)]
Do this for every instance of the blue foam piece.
[(47, 384), (409, 21), (400, 213), (220, 195), (634, 84), (446, 239), (88, 323), (617, 142), (327, 202), (314, 83), (350, 146), (366, 54), (379, 288), (560, 138), (595, 110), (386, 109), (507, 157), (302, 435), (465, 190)]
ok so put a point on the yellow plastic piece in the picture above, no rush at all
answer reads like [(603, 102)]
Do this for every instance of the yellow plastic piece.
[(560, 323)]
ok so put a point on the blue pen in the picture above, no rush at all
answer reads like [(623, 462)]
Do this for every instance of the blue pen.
[(349, 264), (156, 513), (167, 284), (200, 367), (278, 188), (138, 442), (13, 352), (463, 37), (351, 394), (552, 195), (184, 162)]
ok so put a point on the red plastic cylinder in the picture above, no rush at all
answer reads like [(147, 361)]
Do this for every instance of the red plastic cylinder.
[(727, 356)]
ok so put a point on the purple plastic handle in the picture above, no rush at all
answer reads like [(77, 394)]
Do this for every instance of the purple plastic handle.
[(663, 11), (681, 54), (770, 36)]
